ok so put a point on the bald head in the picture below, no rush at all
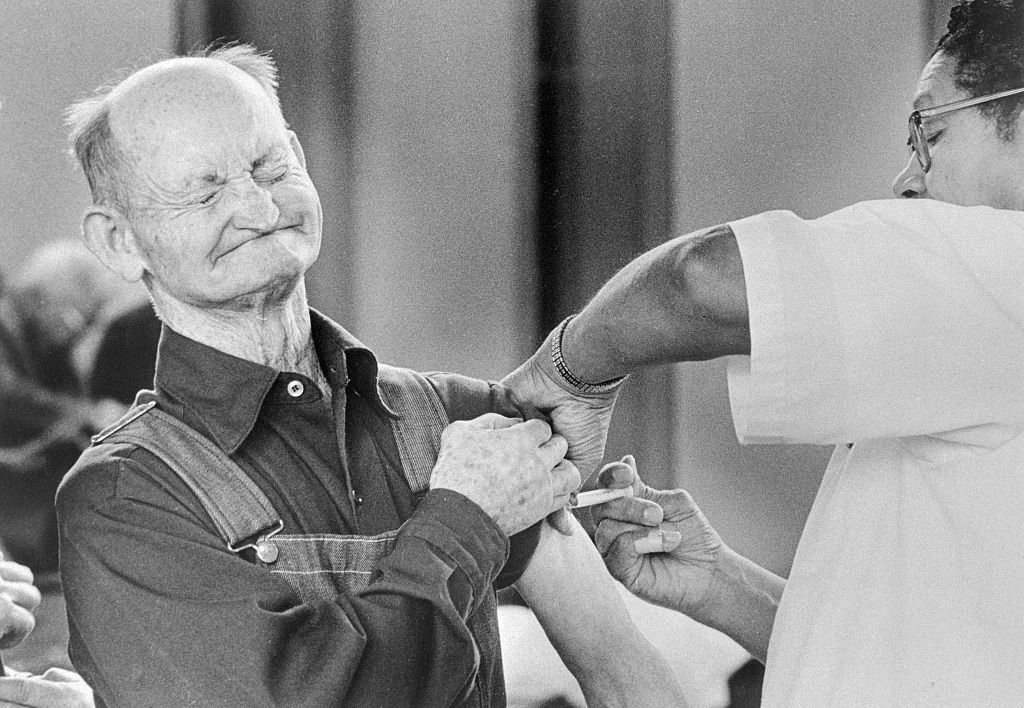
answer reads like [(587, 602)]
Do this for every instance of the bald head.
[(101, 149), (177, 112)]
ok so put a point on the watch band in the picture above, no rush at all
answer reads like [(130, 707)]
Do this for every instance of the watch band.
[(570, 378)]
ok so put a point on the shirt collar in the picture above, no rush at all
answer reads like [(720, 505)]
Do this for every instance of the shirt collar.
[(221, 394)]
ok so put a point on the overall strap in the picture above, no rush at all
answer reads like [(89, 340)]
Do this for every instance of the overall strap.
[(421, 419), (242, 513)]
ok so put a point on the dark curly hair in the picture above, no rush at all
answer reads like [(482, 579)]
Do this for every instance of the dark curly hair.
[(986, 40)]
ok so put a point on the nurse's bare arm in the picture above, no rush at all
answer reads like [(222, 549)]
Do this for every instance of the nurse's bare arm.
[(685, 300), (579, 606)]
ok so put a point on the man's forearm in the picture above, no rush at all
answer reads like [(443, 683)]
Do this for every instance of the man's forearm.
[(580, 608), (683, 301)]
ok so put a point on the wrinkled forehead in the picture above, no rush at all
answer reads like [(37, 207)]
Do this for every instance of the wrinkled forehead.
[(162, 105)]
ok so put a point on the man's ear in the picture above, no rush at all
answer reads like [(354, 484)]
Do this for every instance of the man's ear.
[(293, 140), (109, 235)]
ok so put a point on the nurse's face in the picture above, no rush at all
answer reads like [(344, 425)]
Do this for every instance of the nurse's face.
[(970, 163)]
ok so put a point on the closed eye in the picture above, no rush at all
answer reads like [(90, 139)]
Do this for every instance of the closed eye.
[(271, 176)]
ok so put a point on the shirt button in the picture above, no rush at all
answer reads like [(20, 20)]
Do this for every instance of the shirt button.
[(356, 498), (295, 388)]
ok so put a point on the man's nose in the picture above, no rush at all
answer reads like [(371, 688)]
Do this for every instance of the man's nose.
[(909, 183), (256, 208)]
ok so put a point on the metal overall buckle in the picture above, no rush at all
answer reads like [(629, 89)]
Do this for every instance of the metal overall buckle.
[(266, 550)]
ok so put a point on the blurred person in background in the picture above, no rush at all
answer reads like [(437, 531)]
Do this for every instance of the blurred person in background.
[(57, 687), (50, 310)]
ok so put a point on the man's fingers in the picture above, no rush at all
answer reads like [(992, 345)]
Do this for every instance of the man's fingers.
[(494, 421), (538, 428), (561, 521), (529, 410), (553, 451), (59, 675), (565, 479)]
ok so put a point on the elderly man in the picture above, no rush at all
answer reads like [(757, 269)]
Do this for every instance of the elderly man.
[(282, 522), (893, 329)]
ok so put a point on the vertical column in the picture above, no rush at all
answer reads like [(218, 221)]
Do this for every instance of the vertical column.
[(604, 161)]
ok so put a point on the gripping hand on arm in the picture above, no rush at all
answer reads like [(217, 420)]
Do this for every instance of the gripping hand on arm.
[(662, 548), (515, 471)]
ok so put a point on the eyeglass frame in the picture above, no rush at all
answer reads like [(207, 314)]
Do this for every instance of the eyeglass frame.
[(919, 143)]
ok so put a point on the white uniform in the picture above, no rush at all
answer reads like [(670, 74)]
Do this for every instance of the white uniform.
[(897, 326)]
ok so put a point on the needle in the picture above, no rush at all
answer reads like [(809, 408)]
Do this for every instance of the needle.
[(598, 496)]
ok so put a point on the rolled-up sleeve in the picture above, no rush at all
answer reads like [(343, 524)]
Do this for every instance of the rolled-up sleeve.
[(885, 319)]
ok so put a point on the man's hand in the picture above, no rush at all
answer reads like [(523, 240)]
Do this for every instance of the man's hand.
[(657, 543), (582, 419), (18, 599), (513, 470), (57, 688)]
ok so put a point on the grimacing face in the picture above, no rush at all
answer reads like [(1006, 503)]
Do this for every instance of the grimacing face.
[(224, 213), (971, 164)]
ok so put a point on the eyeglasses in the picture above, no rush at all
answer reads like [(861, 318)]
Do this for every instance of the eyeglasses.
[(919, 143)]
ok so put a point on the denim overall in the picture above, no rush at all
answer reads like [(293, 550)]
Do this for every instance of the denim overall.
[(318, 567)]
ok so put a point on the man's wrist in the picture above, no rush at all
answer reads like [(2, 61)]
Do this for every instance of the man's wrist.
[(565, 376)]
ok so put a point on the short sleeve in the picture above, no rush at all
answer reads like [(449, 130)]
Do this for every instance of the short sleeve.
[(886, 319)]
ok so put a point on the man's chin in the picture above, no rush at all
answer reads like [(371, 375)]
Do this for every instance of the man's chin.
[(276, 289)]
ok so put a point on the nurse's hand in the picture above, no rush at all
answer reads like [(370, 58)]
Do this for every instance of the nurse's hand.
[(582, 418), (657, 543), (662, 548)]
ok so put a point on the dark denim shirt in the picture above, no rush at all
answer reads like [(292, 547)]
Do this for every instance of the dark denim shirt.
[(161, 614)]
